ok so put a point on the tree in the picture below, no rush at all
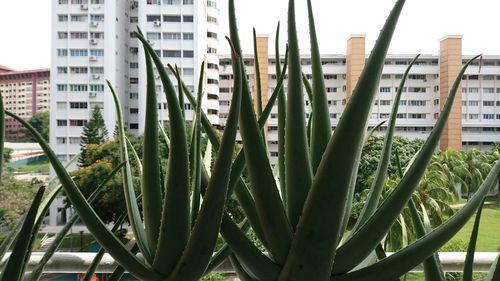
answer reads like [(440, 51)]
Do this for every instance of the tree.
[(94, 132), (40, 122)]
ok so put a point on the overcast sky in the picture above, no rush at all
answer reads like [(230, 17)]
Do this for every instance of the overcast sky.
[(25, 26)]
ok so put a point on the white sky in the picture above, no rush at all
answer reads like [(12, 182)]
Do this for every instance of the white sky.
[(25, 26)]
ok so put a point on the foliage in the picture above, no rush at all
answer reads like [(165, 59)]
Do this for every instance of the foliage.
[(15, 197), (371, 154), (39, 121), (214, 276), (94, 132)]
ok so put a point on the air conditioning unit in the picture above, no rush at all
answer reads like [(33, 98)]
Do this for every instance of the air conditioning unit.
[(344, 76), (93, 41), (84, 7), (94, 23), (96, 76), (92, 94), (157, 23), (134, 4), (93, 58)]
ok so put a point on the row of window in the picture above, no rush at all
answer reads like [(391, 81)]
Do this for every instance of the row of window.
[(80, 2), (475, 116), (169, 18), (80, 52), (64, 140), (80, 35), (80, 70), (482, 129), (80, 87), (72, 122), (476, 103), (483, 77), (167, 35), (485, 90), (169, 2), (80, 18)]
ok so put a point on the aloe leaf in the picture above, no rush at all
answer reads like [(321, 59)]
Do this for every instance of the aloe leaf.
[(98, 257), (204, 235), (135, 155), (175, 212), (469, 258), (277, 229), (14, 269), (316, 239), (411, 256), (150, 183), (128, 186), (11, 237), (107, 239), (207, 157), (494, 272), (196, 152), (242, 274), (381, 173), (321, 127), (297, 158), (375, 228), (281, 122), (258, 82), (373, 130), (255, 262), (120, 271), (225, 251), (58, 239)]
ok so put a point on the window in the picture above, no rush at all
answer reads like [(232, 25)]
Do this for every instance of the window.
[(134, 126), (417, 116), (211, 50), (77, 122), (79, 35), (333, 115), (62, 70), (211, 19), (212, 66), (97, 70), (78, 70), (330, 76), (153, 35), (188, 54), (62, 52), (63, 2), (96, 87), (61, 123), (97, 35), (384, 115), (62, 87), (134, 19), (62, 18), (417, 89), (212, 81), (152, 18), (211, 3), (78, 87), (187, 18), (385, 102), (416, 76), (417, 102), (78, 18), (134, 111), (187, 2), (401, 116), (134, 96), (188, 36), (473, 103), (473, 90), (331, 89), (488, 90), (171, 2), (488, 103), (171, 18), (79, 1), (78, 105), (78, 52), (61, 105), (489, 77), (97, 2), (386, 76), (134, 65), (62, 35), (74, 140), (134, 80), (212, 35), (488, 116), (226, 103), (385, 89), (171, 53), (171, 35), (97, 52), (473, 116), (187, 71)]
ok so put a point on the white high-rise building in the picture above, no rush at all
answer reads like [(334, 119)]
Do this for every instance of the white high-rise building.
[(94, 41)]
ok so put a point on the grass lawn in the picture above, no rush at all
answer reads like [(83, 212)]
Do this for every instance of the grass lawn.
[(489, 230), (38, 167)]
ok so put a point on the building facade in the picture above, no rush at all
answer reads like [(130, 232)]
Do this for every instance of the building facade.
[(475, 118), (25, 93), (94, 41)]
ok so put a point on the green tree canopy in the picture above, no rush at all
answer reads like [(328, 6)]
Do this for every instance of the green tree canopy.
[(39, 121), (94, 132)]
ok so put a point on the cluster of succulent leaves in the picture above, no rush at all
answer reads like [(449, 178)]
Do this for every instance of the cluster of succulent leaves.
[(300, 219)]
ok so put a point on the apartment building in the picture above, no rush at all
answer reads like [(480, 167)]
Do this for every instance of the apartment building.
[(94, 41), (475, 118), (24, 93)]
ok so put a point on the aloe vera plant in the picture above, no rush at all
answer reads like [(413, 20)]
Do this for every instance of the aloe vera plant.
[(303, 231)]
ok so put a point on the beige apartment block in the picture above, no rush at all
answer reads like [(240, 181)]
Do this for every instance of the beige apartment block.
[(449, 67), (355, 62)]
